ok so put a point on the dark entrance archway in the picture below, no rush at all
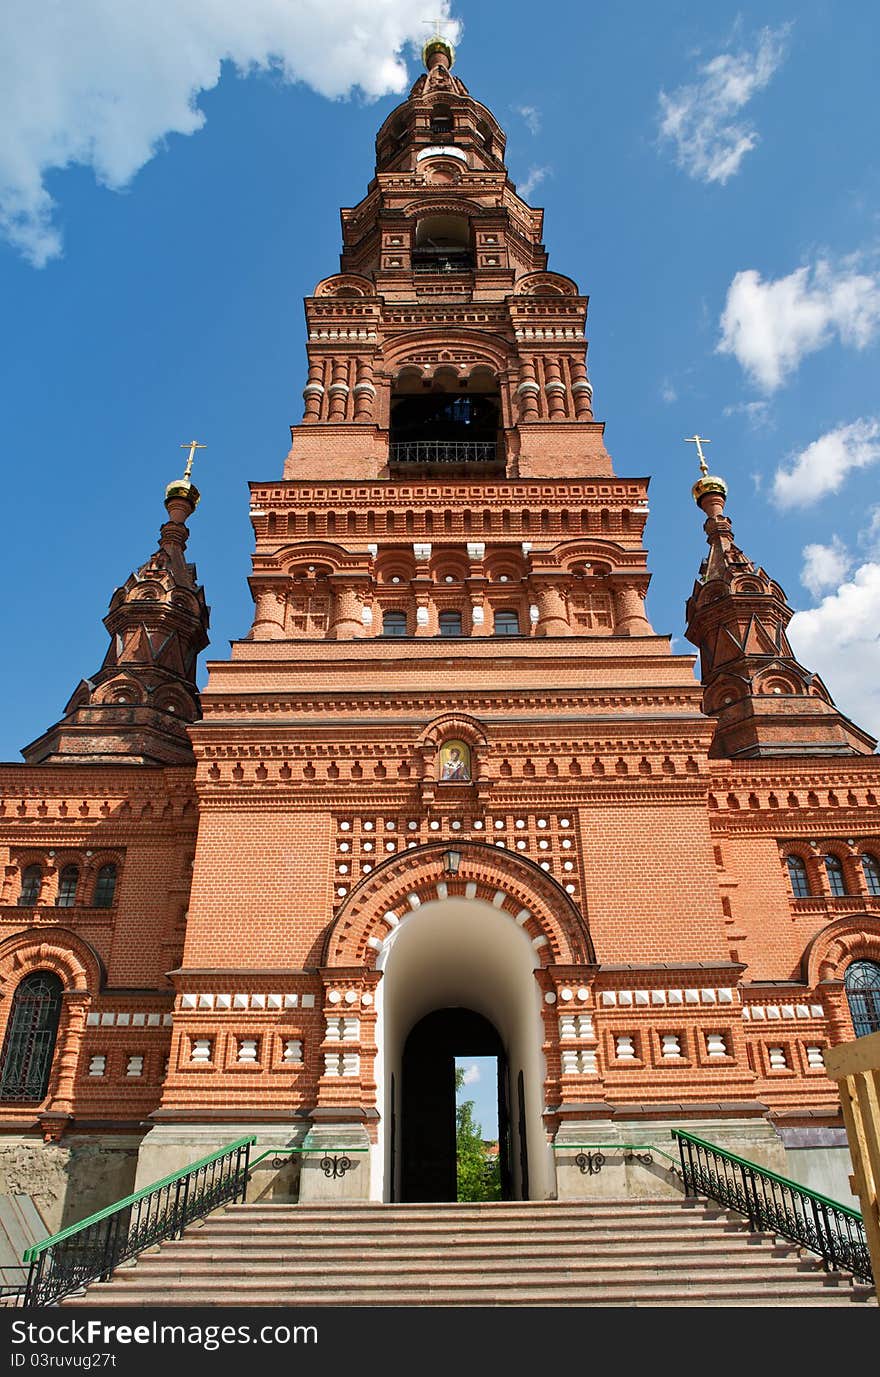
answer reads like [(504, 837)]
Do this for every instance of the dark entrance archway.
[(428, 1165)]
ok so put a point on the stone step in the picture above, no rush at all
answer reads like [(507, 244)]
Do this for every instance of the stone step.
[(563, 1228), (497, 1209), (562, 1292), (591, 1272), (155, 1271), (634, 1253), (311, 1253)]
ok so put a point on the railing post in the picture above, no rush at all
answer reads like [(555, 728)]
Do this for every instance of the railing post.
[(35, 1275), (109, 1239), (690, 1148), (247, 1170), (684, 1174), (748, 1194), (831, 1250), (176, 1210)]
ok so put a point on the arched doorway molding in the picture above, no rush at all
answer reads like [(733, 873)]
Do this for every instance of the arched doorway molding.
[(855, 937), (503, 880), (462, 925), (458, 952), (81, 972)]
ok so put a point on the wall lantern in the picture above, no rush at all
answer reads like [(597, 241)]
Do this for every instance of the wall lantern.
[(451, 862)]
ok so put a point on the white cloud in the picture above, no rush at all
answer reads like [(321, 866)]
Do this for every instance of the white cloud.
[(823, 465), (532, 116), (825, 566), (840, 640), (668, 394), (756, 413), (471, 1075), (770, 326), (534, 179), (102, 85), (701, 120), (869, 538)]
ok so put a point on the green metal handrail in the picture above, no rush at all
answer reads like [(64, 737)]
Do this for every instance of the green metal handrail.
[(290, 1151), (132, 1199), (773, 1203), (633, 1148), (93, 1248)]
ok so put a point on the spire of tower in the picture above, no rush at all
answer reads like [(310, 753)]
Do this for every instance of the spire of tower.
[(764, 701), (136, 708)]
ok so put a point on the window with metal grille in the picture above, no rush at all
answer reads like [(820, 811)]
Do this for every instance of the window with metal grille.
[(31, 879), (862, 984), (394, 624), (30, 1039), (450, 623), (506, 623), (797, 874), (871, 868), (834, 871), (67, 885), (105, 887)]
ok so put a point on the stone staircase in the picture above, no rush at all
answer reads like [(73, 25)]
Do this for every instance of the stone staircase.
[(566, 1253)]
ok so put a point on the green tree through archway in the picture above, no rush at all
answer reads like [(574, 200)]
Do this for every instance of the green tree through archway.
[(478, 1168)]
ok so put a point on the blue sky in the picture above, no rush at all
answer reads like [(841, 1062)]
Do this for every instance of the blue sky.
[(481, 1086), (710, 179)]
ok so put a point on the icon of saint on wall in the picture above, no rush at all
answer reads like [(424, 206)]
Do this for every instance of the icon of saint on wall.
[(455, 762)]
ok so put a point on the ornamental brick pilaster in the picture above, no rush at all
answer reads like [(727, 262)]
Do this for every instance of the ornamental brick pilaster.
[(269, 609), (554, 388), (75, 1005), (552, 609), (11, 883), (528, 391), (313, 392), (346, 618), (581, 391), (629, 609), (364, 391), (839, 1021)]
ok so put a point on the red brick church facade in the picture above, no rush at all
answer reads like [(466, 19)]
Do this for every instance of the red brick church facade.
[(451, 767)]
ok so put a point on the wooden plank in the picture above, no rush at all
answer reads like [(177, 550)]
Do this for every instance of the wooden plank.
[(847, 1058)]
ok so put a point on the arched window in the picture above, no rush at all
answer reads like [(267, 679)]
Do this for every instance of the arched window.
[(797, 874), (394, 624), (450, 623), (862, 984), (30, 1038), (105, 887), (871, 867), (506, 623), (31, 879), (67, 883), (834, 871)]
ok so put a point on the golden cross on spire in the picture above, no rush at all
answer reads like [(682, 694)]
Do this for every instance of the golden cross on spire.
[(192, 446), (437, 25), (699, 441)]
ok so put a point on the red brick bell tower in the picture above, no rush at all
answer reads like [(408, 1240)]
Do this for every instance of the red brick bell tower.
[(451, 794), (451, 759)]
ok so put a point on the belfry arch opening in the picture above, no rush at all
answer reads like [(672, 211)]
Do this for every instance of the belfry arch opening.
[(464, 971), (446, 423)]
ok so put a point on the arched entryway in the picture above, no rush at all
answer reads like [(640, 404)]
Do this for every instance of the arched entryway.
[(428, 1156), (458, 979)]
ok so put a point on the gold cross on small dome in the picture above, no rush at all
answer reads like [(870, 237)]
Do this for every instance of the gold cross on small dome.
[(192, 446), (699, 441)]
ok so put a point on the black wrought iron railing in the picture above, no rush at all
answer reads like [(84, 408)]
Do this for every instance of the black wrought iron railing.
[(91, 1250), (424, 262), (774, 1204), (443, 452)]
